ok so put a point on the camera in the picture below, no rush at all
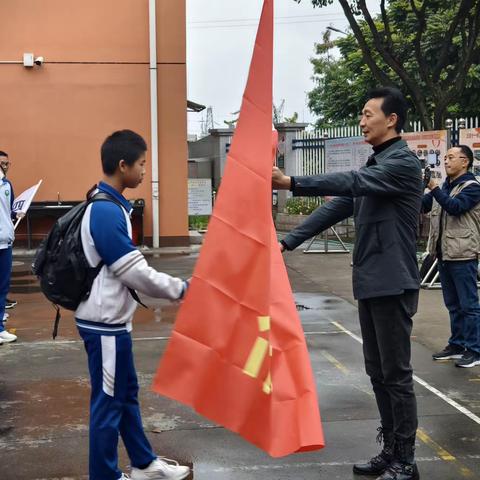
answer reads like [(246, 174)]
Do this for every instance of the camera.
[(39, 61), (427, 175)]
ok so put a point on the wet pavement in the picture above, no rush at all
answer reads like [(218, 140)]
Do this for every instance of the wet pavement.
[(44, 390)]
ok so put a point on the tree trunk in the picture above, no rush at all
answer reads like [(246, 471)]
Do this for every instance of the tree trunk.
[(439, 118), (422, 109)]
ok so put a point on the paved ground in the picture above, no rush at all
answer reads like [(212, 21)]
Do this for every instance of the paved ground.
[(44, 391)]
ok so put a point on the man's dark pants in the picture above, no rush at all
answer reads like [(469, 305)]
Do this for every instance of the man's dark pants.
[(459, 287), (386, 324)]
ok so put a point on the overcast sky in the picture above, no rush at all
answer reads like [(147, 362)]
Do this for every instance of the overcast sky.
[(220, 38)]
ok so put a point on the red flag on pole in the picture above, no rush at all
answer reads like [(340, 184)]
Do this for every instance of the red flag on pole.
[(238, 354)]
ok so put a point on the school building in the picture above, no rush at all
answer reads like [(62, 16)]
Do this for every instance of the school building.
[(72, 72)]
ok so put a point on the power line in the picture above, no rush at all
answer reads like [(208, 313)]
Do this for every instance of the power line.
[(256, 24), (223, 20)]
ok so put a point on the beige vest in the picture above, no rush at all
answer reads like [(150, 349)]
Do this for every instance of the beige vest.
[(460, 235)]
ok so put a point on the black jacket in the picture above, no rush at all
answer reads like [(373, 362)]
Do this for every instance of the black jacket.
[(385, 198)]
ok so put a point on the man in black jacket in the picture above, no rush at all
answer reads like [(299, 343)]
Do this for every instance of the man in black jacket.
[(385, 199)]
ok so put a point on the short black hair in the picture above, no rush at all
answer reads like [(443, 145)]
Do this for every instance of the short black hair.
[(467, 151), (121, 145), (3, 154), (393, 102)]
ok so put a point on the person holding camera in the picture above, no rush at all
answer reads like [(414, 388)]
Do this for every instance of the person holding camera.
[(385, 198), (454, 239)]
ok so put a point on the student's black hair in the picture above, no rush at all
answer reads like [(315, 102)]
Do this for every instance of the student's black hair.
[(121, 145), (3, 154), (467, 151), (393, 102)]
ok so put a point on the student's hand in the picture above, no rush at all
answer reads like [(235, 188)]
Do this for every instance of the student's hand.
[(186, 286), (20, 214), (282, 247), (279, 180), (433, 183)]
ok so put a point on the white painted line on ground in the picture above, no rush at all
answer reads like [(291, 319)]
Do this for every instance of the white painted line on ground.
[(304, 465), (422, 382), (146, 339), (323, 333), (72, 342), (135, 339), (285, 466)]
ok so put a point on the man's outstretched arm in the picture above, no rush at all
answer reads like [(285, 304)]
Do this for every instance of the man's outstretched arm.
[(319, 220)]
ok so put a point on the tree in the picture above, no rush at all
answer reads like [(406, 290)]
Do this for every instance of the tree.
[(430, 48), (340, 84), (292, 119)]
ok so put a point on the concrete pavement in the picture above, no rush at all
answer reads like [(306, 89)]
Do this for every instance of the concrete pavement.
[(44, 391)]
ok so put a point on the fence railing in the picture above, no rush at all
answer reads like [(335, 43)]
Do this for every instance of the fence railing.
[(309, 146)]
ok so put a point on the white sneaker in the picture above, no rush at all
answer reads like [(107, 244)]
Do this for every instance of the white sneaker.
[(7, 337), (160, 469), (124, 477), (5, 316)]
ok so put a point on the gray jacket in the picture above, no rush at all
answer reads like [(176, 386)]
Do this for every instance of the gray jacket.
[(384, 198), (460, 234)]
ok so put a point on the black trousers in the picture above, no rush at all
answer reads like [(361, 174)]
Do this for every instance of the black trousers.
[(386, 324)]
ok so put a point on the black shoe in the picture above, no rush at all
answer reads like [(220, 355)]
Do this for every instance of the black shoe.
[(469, 359), (400, 471), (9, 303), (449, 352), (378, 464)]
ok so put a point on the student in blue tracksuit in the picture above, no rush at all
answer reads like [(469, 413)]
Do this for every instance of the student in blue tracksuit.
[(104, 320), (7, 236)]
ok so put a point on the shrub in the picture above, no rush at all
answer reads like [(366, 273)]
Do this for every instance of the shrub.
[(198, 222), (301, 205)]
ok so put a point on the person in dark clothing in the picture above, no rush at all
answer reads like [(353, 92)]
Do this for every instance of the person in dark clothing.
[(385, 199), (454, 240)]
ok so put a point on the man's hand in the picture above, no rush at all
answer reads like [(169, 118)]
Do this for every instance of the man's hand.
[(282, 248), (432, 184), (20, 214), (279, 180)]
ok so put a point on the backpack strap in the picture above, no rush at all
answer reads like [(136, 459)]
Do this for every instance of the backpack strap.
[(57, 320), (99, 196)]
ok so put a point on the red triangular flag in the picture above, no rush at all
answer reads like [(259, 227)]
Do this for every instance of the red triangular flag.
[(238, 354)]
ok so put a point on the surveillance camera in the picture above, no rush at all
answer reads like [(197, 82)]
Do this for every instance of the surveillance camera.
[(39, 61)]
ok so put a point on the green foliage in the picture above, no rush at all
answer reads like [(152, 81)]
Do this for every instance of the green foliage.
[(441, 77), (339, 93), (301, 205), (198, 222), (293, 118)]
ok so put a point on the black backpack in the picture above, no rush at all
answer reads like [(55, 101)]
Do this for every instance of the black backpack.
[(60, 262)]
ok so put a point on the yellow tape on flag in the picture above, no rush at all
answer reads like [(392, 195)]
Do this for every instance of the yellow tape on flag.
[(257, 355)]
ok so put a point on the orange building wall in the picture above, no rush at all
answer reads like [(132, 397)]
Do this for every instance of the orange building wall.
[(95, 80)]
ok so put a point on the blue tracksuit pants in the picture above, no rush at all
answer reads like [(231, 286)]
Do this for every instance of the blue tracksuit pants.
[(114, 407), (5, 273)]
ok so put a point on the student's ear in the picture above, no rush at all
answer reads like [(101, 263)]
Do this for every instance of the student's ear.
[(122, 166)]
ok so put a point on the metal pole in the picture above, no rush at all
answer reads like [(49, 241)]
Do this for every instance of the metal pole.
[(154, 120)]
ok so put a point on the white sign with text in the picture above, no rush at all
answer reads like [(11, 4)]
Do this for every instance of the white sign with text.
[(345, 154), (199, 196)]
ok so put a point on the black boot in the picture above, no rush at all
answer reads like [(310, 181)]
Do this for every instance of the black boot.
[(403, 466), (378, 464)]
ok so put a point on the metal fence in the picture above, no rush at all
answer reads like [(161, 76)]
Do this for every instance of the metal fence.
[(309, 146)]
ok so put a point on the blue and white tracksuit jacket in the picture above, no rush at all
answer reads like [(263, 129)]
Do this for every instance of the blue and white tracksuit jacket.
[(7, 236), (104, 321)]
